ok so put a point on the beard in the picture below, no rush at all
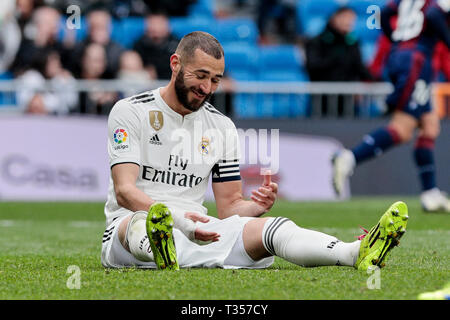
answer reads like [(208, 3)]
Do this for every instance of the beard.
[(182, 92)]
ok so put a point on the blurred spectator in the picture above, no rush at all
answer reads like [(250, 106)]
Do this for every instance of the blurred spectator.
[(132, 70), (10, 35), (131, 67), (118, 8), (93, 62), (170, 7), (99, 32), (24, 12), (334, 55), (35, 97), (156, 46), (125, 8), (283, 13), (93, 67), (40, 36)]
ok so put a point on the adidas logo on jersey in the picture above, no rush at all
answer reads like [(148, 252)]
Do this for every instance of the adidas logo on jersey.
[(155, 140)]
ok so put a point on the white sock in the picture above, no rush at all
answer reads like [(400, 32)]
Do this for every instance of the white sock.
[(308, 248), (137, 239)]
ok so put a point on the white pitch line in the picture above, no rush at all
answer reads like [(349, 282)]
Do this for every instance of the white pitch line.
[(7, 223)]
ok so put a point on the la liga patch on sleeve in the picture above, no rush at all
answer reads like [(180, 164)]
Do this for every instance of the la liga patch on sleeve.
[(121, 139)]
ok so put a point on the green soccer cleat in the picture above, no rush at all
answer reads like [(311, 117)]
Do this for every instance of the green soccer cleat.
[(443, 294), (381, 239), (160, 233)]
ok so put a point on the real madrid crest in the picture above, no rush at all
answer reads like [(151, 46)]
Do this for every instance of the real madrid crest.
[(156, 119), (204, 146)]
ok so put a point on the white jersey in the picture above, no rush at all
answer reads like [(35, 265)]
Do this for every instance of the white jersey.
[(176, 154)]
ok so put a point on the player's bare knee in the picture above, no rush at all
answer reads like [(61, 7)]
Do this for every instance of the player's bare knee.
[(431, 131), (252, 237), (430, 126), (404, 125), (431, 134), (404, 134)]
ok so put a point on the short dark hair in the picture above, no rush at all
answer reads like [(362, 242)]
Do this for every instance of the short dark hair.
[(343, 9), (199, 40)]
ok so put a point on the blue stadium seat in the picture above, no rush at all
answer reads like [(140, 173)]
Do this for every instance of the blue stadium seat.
[(7, 98), (367, 39), (129, 30), (246, 105), (202, 8), (314, 26), (183, 25), (117, 33), (237, 30), (312, 15), (241, 64), (363, 32), (280, 105), (80, 33), (240, 60), (280, 64), (279, 57), (368, 50)]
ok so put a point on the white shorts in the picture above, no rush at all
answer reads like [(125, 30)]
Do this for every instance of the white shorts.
[(227, 253)]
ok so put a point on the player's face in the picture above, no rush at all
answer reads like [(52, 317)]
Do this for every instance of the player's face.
[(344, 22), (198, 79)]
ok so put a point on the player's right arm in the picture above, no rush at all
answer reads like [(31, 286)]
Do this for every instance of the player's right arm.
[(437, 19), (124, 177)]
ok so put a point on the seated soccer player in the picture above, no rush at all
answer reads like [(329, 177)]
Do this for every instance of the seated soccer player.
[(164, 145)]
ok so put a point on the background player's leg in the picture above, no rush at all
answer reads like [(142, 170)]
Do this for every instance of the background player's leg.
[(399, 130), (424, 149), (432, 198), (283, 238)]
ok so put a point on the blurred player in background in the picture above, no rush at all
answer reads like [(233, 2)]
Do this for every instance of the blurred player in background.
[(420, 25), (158, 184)]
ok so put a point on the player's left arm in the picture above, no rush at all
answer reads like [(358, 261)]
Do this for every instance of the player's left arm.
[(230, 200), (437, 16), (227, 184)]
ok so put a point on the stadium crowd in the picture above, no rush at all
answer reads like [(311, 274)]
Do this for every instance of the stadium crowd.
[(36, 46)]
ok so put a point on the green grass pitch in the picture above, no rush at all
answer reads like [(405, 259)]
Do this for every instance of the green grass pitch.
[(39, 241)]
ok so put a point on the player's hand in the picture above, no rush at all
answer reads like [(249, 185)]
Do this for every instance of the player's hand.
[(266, 195), (202, 235)]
